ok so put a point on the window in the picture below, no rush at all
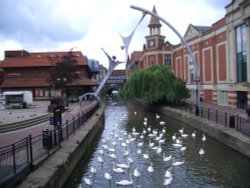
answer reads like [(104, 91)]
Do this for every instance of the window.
[(241, 59), (168, 61), (191, 74)]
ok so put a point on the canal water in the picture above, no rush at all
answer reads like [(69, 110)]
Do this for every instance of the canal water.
[(132, 132)]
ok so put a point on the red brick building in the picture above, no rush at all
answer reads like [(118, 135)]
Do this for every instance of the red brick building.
[(30, 71), (220, 50)]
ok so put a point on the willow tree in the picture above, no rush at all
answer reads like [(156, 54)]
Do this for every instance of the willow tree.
[(154, 84)]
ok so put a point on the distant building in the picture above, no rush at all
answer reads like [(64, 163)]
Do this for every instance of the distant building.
[(222, 52), (24, 70)]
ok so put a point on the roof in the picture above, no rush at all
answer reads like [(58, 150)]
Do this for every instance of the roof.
[(40, 59), (154, 20), (202, 28), (136, 55)]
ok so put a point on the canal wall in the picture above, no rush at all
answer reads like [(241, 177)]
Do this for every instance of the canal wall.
[(227, 136), (54, 172)]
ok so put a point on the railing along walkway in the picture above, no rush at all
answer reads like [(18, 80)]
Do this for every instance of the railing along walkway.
[(20, 158)]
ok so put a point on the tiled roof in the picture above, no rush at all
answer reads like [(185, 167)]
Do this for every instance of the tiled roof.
[(153, 19), (40, 59), (135, 56), (202, 28)]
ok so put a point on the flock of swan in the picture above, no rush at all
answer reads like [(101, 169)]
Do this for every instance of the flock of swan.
[(116, 153)]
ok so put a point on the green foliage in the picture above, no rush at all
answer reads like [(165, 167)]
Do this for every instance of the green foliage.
[(154, 84)]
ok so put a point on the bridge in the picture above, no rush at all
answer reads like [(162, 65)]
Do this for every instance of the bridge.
[(115, 81)]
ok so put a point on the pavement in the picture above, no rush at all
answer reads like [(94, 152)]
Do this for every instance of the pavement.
[(39, 108)]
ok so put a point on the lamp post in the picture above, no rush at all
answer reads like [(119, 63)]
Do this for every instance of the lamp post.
[(197, 72)]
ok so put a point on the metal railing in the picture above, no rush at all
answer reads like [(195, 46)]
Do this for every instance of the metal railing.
[(20, 158), (226, 119)]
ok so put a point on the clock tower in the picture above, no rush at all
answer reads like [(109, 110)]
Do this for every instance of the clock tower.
[(154, 40)]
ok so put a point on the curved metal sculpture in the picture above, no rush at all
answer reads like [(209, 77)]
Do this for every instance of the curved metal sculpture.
[(197, 72), (112, 64)]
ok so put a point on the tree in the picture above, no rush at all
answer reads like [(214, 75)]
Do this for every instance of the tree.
[(63, 72), (154, 84)]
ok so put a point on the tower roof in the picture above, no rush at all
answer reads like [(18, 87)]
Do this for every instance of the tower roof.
[(153, 20)]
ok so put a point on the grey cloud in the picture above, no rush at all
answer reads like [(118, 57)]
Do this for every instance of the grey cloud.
[(36, 21)]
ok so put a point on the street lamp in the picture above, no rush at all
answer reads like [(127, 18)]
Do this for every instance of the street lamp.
[(197, 72)]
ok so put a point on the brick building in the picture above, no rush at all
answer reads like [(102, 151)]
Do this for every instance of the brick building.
[(221, 52), (24, 70)]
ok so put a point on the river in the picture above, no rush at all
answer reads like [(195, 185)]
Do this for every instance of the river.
[(126, 136)]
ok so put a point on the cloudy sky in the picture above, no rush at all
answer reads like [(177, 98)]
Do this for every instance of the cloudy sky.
[(89, 25)]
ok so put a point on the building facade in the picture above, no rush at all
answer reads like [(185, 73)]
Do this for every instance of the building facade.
[(221, 53), (26, 71)]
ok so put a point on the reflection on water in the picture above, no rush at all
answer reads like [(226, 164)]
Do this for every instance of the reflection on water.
[(128, 136)]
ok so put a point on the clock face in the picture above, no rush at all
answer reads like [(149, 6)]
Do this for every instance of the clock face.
[(151, 43)]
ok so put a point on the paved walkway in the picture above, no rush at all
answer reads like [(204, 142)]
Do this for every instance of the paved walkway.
[(40, 108)]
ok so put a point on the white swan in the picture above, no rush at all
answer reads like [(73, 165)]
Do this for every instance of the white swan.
[(183, 148), (166, 158), (167, 181), (204, 138), (93, 169), (162, 122), (100, 159), (150, 168), (168, 174), (112, 155), (136, 173), (88, 180), (201, 151), (178, 163), (194, 134), (122, 165), (117, 170), (145, 155), (107, 176), (126, 182)]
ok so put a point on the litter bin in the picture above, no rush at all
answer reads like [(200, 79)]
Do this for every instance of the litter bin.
[(47, 139), (231, 121)]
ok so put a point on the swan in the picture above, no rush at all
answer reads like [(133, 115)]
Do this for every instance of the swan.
[(194, 134), (101, 152), (88, 180), (122, 165), (167, 181), (178, 163), (138, 151), (140, 144), (93, 169), (107, 176), (130, 160), (151, 144), (150, 168), (113, 156), (136, 173), (174, 136), (162, 122), (183, 148), (157, 116), (100, 159), (168, 174), (161, 141), (201, 151), (181, 131), (126, 182), (166, 158), (159, 149), (204, 138), (117, 170), (145, 155), (183, 135)]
